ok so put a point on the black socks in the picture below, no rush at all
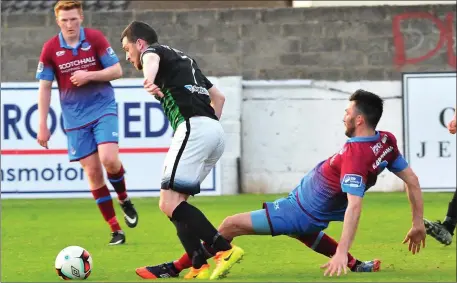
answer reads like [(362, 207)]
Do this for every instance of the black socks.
[(188, 240), (451, 216), (199, 225)]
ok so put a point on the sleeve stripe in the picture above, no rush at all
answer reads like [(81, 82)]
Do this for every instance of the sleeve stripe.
[(108, 60), (47, 74), (360, 191), (399, 164)]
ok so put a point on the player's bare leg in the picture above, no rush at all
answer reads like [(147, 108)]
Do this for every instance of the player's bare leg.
[(94, 172), (238, 225), (109, 157)]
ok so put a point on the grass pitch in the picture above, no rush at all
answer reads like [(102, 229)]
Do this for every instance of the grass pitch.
[(34, 231)]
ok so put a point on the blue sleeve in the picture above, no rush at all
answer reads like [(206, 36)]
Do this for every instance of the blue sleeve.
[(44, 72), (398, 165), (353, 184), (109, 58)]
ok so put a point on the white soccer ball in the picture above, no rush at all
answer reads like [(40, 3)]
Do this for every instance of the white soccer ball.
[(73, 263)]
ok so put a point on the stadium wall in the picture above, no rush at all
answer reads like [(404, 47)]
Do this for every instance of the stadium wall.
[(277, 130), (325, 43)]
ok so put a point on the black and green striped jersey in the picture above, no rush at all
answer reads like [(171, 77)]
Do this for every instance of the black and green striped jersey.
[(184, 86)]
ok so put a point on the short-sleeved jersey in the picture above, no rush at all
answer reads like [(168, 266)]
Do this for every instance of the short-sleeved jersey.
[(183, 84), (84, 104), (353, 170)]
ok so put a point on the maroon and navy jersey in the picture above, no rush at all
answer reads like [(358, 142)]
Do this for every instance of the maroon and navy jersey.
[(84, 104), (353, 170)]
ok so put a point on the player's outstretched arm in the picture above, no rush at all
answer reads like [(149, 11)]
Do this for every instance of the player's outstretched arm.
[(350, 224), (44, 102), (416, 235), (414, 193), (217, 100), (338, 263)]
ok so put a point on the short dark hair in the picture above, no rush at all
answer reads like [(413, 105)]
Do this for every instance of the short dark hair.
[(369, 105), (140, 30)]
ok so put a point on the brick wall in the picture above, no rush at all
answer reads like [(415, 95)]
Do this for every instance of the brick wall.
[(336, 43), (179, 5)]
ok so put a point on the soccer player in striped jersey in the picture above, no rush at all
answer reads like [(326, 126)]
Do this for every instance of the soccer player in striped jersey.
[(83, 63), (334, 189)]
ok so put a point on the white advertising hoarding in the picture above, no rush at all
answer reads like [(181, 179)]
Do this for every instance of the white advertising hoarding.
[(30, 171), (429, 101)]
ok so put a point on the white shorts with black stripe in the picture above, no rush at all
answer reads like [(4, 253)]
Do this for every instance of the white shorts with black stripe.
[(197, 145)]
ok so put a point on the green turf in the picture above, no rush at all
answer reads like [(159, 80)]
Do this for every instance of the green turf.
[(34, 231)]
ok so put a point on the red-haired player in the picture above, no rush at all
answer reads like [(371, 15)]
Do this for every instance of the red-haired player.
[(83, 63)]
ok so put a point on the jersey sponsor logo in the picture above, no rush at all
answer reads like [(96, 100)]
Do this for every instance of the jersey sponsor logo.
[(197, 89), (376, 148), (382, 166), (40, 67), (77, 64), (381, 157), (85, 46), (110, 51), (352, 180), (60, 53)]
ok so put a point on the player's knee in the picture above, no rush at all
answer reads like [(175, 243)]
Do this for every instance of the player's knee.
[(94, 174), (167, 206), (236, 225), (110, 162), (163, 207), (228, 223), (169, 200)]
